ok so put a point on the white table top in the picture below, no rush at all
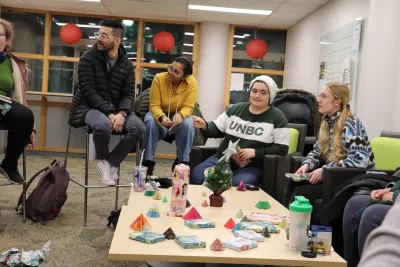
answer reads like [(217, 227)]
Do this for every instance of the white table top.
[(273, 251)]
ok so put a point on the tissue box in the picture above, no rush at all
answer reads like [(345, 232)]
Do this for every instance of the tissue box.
[(259, 227), (240, 244), (190, 241), (249, 235), (199, 223), (147, 237)]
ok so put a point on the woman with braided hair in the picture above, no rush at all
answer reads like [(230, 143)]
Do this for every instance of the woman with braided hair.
[(342, 142)]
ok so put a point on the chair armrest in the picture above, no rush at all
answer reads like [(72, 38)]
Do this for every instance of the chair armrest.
[(200, 154)]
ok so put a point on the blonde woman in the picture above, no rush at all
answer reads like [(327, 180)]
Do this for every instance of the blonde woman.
[(342, 142), (15, 114)]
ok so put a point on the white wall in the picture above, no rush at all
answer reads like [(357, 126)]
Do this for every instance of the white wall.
[(379, 63)]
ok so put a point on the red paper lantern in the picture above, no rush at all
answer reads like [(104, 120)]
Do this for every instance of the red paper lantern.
[(256, 48), (70, 33), (164, 41)]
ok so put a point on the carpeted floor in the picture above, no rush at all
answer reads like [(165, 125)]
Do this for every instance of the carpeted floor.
[(72, 244)]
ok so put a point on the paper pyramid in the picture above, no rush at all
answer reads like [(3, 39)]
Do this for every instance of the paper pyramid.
[(157, 196), (169, 234), (154, 211), (188, 203), (241, 187), (204, 204), (263, 205), (237, 227), (230, 224), (217, 245), (283, 224), (244, 219), (140, 224), (165, 200), (192, 215), (239, 214)]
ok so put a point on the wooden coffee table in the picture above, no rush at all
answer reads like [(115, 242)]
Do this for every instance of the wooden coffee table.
[(273, 251)]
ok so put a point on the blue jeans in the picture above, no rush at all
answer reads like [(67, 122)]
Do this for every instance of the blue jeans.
[(249, 175), (372, 218), (184, 135)]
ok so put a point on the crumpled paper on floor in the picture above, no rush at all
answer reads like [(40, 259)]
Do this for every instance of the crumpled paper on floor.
[(13, 257)]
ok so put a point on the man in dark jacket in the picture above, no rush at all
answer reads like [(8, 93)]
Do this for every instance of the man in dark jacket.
[(105, 99)]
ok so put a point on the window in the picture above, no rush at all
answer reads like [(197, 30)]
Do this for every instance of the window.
[(62, 76), (273, 60), (27, 26), (88, 26), (244, 68), (34, 74), (184, 41)]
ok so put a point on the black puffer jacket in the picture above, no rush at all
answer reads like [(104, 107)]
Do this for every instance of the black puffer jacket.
[(107, 91)]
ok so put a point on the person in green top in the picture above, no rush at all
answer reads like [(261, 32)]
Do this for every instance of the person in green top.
[(260, 128), (14, 113)]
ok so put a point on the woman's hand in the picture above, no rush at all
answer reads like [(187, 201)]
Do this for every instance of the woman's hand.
[(199, 123), (32, 144), (246, 154), (316, 176), (377, 194), (178, 119), (388, 196), (166, 121), (303, 169)]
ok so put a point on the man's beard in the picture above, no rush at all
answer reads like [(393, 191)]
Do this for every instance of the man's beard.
[(107, 48)]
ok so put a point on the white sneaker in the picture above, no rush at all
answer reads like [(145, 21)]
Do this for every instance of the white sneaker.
[(114, 173), (104, 169)]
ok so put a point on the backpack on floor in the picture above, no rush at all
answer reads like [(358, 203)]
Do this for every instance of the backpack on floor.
[(113, 218), (46, 200)]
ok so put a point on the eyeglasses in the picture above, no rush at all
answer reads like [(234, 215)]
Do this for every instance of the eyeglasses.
[(174, 71), (102, 36), (323, 96)]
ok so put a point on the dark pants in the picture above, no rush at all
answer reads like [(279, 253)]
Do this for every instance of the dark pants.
[(133, 129), (19, 121), (249, 175), (371, 219), (310, 191)]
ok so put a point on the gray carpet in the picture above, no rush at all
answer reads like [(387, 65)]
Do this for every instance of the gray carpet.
[(71, 243)]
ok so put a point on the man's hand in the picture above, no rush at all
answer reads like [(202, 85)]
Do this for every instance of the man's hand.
[(178, 119), (199, 123), (166, 121), (246, 154), (378, 194), (111, 118), (316, 176), (118, 122)]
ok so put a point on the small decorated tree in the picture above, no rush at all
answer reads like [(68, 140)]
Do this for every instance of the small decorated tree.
[(219, 178)]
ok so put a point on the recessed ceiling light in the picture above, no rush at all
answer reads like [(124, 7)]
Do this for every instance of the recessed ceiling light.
[(127, 22), (79, 25), (189, 33), (188, 44), (239, 36), (230, 10), (153, 61), (239, 42), (187, 53), (147, 28)]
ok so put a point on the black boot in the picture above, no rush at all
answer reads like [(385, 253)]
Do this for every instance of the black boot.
[(12, 174), (150, 166)]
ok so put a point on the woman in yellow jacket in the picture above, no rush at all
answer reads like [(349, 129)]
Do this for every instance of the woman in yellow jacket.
[(173, 95)]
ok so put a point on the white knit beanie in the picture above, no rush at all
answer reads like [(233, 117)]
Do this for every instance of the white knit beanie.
[(270, 83)]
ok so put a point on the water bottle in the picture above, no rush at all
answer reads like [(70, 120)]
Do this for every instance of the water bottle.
[(300, 218)]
